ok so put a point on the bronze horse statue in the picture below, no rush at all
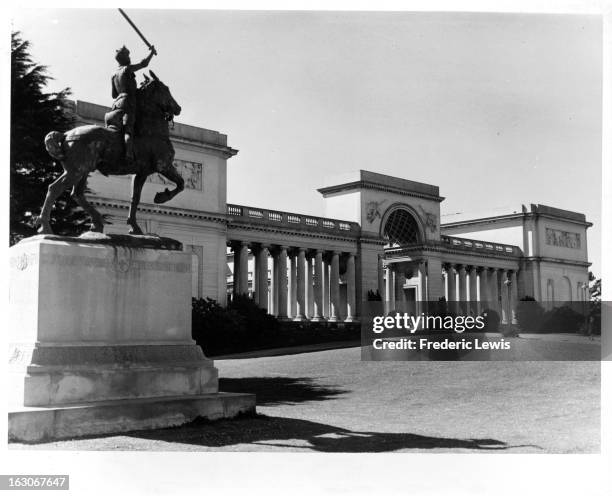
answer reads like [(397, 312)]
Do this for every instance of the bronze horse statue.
[(87, 148)]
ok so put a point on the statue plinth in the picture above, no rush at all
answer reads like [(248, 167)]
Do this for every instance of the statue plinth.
[(100, 339)]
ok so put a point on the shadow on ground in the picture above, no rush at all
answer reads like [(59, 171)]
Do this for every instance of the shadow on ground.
[(272, 391), (280, 432)]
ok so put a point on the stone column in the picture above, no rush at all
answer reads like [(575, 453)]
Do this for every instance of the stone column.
[(390, 289), (334, 287), (473, 298), (485, 297), (318, 287), (400, 295), (435, 279), (451, 282), (350, 288), (255, 250), (422, 307), (282, 283), (504, 297), (381, 279), (292, 285), (513, 296), (262, 277), (494, 290), (274, 284), (325, 287), (309, 288), (243, 275), (300, 309), (235, 279), (462, 296)]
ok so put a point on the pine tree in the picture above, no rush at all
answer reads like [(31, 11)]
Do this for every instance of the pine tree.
[(33, 114)]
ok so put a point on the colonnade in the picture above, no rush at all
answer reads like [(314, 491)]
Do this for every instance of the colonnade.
[(468, 289), (472, 289), (304, 284)]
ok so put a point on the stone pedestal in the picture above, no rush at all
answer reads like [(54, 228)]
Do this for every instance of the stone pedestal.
[(100, 339)]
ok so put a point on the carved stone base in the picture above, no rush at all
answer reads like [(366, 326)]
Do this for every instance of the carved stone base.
[(100, 339)]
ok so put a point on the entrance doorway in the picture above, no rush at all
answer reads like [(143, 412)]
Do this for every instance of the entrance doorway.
[(410, 300)]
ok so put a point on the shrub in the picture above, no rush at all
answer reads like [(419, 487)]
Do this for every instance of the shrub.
[(215, 328), (239, 327), (374, 295), (261, 327), (491, 320), (595, 316), (529, 314), (561, 319)]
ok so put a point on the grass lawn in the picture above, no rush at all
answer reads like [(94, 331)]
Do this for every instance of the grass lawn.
[(330, 401)]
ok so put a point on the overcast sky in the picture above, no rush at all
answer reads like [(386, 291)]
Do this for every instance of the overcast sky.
[(496, 109)]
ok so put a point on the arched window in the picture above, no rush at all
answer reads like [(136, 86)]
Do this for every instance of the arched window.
[(565, 293), (401, 229)]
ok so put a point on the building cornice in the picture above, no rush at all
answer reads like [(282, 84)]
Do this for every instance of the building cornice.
[(157, 209), (234, 226), (224, 151), (522, 215), (363, 184), (578, 263)]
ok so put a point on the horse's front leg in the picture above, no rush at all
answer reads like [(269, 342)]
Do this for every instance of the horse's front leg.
[(137, 183), (169, 172), (56, 188)]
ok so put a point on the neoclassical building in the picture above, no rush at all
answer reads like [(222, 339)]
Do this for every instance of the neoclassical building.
[(382, 235)]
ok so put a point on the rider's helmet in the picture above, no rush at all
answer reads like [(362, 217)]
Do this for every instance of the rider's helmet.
[(122, 56)]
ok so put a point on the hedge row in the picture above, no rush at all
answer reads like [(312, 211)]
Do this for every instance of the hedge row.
[(569, 317), (243, 326)]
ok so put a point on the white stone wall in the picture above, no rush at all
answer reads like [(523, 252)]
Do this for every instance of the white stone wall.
[(346, 206)]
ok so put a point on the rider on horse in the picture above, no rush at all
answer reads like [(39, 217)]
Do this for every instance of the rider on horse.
[(124, 93)]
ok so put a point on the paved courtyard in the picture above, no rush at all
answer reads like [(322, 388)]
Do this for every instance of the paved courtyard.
[(330, 401)]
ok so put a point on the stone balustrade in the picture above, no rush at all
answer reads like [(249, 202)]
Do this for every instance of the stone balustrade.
[(307, 223), (482, 246)]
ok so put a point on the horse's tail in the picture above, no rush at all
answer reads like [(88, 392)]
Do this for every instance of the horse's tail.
[(53, 143)]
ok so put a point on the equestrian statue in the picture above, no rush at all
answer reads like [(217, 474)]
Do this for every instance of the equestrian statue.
[(135, 140)]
